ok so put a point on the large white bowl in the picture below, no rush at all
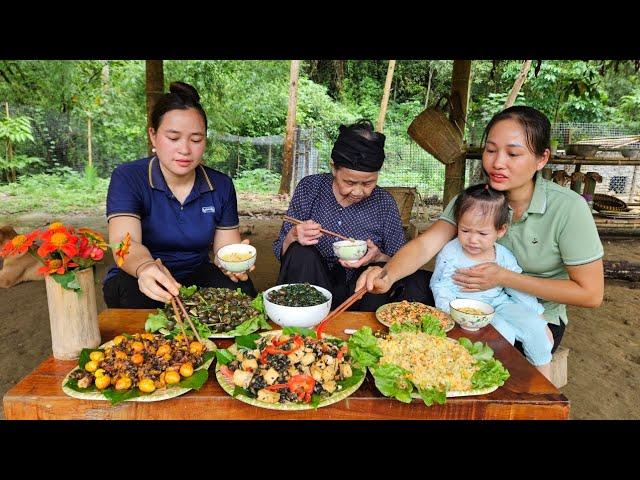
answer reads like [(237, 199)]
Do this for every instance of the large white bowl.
[(242, 265), (305, 317), (469, 321), (350, 250)]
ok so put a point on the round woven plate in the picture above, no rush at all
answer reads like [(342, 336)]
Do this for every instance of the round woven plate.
[(229, 387), (439, 314), (156, 396)]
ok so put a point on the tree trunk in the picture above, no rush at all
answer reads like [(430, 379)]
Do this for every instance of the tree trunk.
[(520, 79), (287, 155), (622, 270), (385, 96), (460, 84), (89, 151), (105, 76), (154, 88)]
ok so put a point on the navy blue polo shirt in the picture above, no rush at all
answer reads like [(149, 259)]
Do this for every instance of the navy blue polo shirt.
[(179, 234)]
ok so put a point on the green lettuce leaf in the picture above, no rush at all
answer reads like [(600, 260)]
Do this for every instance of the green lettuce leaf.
[(258, 302), (241, 391), (398, 327), (491, 373), (224, 356), (356, 376), (196, 380), (84, 356), (247, 341), (391, 380), (186, 292), (315, 401), (117, 396), (209, 354), (480, 351), (156, 321), (363, 347), (431, 325), (431, 396), (245, 328), (304, 332)]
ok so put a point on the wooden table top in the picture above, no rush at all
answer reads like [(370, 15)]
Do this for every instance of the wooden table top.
[(525, 395)]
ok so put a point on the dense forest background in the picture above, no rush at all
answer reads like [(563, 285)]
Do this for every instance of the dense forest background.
[(50, 105)]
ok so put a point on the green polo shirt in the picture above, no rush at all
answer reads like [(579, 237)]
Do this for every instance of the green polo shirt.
[(556, 230)]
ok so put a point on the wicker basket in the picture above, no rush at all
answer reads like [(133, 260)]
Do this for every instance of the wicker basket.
[(434, 132), (602, 202)]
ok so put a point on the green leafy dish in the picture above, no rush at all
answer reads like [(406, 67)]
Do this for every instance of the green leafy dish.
[(288, 369), (420, 361), (215, 312), (117, 358)]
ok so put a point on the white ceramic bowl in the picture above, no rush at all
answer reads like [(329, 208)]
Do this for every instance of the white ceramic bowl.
[(350, 250), (237, 266), (305, 317), (469, 321)]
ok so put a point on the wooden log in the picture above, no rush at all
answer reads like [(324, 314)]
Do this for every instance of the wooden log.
[(385, 96), (287, 155), (154, 88), (622, 270), (73, 316)]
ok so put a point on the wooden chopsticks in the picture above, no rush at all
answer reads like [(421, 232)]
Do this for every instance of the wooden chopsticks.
[(175, 302), (341, 308), (328, 232)]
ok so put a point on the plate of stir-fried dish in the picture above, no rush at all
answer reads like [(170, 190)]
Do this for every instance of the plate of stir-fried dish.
[(288, 369), (412, 312), (414, 361), (141, 368)]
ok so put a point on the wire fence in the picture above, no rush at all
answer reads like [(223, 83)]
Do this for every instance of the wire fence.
[(62, 140)]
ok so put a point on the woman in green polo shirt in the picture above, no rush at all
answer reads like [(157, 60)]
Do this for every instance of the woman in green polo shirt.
[(551, 230)]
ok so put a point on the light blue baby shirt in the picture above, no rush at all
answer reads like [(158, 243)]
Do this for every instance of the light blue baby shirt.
[(452, 257)]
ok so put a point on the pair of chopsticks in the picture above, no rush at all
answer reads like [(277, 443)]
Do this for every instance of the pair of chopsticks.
[(341, 308), (295, 221), (175, 302)]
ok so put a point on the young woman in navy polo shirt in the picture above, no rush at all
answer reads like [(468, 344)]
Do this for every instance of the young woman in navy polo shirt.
[(174, 207)]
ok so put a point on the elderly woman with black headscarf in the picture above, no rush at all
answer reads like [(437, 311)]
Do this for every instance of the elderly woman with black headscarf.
[(346, 201)]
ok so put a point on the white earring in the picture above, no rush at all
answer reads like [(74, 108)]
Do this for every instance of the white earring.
[(153, 149)]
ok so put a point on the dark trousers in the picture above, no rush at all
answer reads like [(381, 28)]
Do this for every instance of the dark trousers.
[(122, 291), (302, 264)]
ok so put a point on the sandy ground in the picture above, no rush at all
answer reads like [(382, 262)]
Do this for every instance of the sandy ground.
[(604, 359)]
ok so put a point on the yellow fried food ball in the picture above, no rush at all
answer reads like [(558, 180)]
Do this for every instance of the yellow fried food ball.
[(98, 373), (171, 377), (186, 370), (137, 346), (118, 340), (146, 385), (120, 355), (97, 356), (148, 336), (91, 366), (123, 383), (196, 347), (103, 382), (137, 358), (163, 350)]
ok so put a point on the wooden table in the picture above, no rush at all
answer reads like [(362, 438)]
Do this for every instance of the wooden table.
[(525, 395)]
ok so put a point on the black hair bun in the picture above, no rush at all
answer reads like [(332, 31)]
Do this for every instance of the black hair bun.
[(184, 90)]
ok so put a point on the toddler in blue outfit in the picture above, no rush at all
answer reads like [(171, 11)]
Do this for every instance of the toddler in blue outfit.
[(482, 216)]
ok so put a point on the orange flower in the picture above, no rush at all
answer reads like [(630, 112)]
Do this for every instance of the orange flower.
[(94, 236), (60, 240), (19, 244), (56, 266), (123, 249), (57, 226)]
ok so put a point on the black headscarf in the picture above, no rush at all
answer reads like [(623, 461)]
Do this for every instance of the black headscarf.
[(355, 151)]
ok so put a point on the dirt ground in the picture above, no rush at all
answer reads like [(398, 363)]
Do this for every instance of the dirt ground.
[(604, 358)]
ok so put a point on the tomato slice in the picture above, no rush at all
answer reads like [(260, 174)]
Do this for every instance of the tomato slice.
[(226, 371), (302, 386)]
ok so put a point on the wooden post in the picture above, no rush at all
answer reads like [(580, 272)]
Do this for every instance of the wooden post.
[(520, 79), (90, 155), (385, 96), (460, 83), (632, 191), (287, 160), (154, 89), (269, 158)]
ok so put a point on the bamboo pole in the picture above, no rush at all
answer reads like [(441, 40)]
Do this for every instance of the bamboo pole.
[(385, 96), (426, 100), (460, 85), (520, 79), (154, 89), (90, 153), (287, 155)]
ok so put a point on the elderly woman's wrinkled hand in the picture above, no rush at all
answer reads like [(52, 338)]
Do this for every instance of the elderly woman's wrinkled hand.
[(307, 232), (479, 277), (370, 257)]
